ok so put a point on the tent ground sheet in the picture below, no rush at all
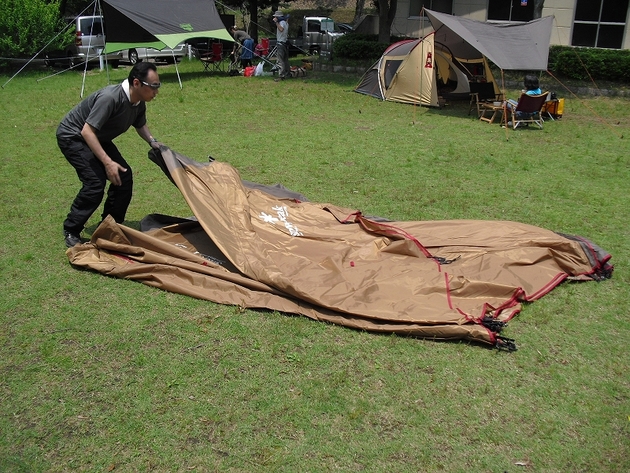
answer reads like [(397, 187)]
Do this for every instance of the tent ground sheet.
[(266, 247)]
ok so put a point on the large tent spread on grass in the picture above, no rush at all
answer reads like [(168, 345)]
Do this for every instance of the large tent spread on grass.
[(457, 51), (269, 248), (160, 23)]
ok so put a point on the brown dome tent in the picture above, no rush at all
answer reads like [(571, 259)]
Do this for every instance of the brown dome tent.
[(266, 247)]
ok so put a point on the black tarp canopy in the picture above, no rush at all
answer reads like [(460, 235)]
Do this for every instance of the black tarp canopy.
[(160, 23)]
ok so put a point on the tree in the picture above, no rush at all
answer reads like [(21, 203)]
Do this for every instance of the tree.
[(252, 8), (29, 25), (386, 14), (538, 8), (358, 11)]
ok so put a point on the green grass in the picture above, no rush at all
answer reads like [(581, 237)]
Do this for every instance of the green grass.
[(101, 374)]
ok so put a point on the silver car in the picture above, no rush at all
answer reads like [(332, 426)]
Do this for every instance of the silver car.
[(135, 55), (88, 44)]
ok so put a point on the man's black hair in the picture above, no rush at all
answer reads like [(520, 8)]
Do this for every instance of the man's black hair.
[(140, 71)]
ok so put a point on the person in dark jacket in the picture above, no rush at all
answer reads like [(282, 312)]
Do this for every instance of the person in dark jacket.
[(85, 137), (247, 49)]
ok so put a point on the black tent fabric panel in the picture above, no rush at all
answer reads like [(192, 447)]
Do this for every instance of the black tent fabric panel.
[(391, 67), (370, 84), (121, 28), (163, 17), (159, 23)]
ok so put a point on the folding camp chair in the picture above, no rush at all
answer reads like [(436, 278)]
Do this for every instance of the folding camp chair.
[(482, 93), (262, 49), (527, 110), (213, 58)]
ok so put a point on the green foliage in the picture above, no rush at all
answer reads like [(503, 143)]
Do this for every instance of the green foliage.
[(580, 63), (29, 25), (359, 46)]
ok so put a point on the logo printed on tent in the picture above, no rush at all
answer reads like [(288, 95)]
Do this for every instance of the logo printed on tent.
[(283, 214), (429, 62), (186, 26)]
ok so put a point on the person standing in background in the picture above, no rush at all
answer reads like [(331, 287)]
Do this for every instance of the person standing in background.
[(282, 37)]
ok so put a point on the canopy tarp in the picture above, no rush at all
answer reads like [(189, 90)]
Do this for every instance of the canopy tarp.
[(160, 23), (264, 247), (523, 46)]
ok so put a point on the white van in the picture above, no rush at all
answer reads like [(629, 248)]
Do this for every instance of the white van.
[(89, 42)]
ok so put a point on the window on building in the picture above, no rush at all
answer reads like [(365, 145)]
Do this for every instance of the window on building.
[(513, 10), (442, 6), (600, 23)]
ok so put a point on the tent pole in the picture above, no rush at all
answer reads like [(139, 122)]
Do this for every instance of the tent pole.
[(97, 5), (420, 72), (599, 117), (505, 118), (40, 51), (179, 79)]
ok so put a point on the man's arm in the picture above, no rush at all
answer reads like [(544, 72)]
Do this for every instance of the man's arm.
[(112, 168), (278, 24), (146, 135)]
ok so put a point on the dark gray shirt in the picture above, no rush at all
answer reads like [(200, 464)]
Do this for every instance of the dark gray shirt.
[(240, 36), (108, 110)]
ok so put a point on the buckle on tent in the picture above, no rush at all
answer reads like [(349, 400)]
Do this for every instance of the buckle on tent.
[(603, 273), (493, 324), (442, 260), (505, 344)]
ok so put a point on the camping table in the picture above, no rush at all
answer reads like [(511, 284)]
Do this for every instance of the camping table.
[(490, 108)]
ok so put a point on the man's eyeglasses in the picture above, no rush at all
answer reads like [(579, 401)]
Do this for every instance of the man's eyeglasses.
[(153, 86)]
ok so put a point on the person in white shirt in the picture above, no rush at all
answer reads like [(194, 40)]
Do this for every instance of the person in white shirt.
[(282, 37)]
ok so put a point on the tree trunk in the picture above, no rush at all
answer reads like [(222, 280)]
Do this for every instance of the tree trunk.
[(358, 12), (253, 24), (386, 15), (538, 8)]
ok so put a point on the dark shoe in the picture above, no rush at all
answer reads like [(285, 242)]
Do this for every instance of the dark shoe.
[(72, 239), (278, 79)]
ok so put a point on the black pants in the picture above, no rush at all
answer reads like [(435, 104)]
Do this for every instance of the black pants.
[(92, 175)]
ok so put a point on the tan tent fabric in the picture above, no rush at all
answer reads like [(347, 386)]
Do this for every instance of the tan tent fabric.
[(255, 250), (414, 81)]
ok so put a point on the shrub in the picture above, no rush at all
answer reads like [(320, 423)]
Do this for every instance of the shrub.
[(580, 63), (359, 46), (29, 25)]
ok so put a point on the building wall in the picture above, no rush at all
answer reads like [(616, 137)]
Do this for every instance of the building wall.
[(562, 10)]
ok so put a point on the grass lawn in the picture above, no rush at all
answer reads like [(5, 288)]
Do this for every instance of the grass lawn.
[(102, 374)]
